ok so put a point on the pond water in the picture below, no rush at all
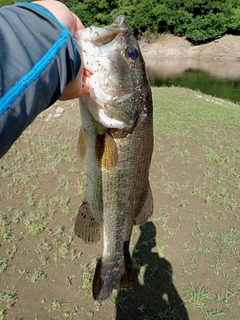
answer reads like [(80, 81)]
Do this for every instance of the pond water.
[(216, 78)]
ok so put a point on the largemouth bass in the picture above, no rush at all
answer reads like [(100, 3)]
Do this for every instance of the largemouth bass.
[(117, 137)]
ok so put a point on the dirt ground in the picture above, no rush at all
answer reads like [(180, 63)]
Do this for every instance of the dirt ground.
[(186, 258), (167, 45)]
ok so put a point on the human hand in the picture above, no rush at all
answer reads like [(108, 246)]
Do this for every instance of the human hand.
[(79, 86)]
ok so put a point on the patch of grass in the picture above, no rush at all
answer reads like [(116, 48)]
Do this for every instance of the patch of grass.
[(169, 313), (9, 254), (56, 305), (119, 302), (229, 241), (9, 297), (197, 296), (34, 223), (3, 314), (63, 204), (18, 216), (88, 272), (72, 312), (43, 247), (64, 249), (34, 276)]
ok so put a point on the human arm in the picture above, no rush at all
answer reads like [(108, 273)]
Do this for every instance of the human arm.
[(39, 64), (79, 86)]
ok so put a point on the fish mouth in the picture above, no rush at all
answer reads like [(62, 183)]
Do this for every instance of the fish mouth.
[(99, 36)]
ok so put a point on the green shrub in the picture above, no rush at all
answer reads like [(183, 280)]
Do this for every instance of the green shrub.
[(234, 22), (206, 28)]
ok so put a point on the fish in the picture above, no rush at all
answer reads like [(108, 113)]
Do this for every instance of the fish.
[(116, 137)]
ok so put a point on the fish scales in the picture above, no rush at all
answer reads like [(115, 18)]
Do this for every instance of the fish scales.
[(117, 137)]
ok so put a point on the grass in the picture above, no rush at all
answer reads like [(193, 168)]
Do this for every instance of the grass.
[(188, 268)]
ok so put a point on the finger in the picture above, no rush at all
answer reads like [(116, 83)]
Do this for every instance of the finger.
[(78, 87)]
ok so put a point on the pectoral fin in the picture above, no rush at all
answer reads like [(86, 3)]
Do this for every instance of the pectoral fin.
[(147, 209), (86, 227), (82, 144), (106, 151)]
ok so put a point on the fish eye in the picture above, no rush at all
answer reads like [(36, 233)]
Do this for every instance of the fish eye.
[(132, 53)]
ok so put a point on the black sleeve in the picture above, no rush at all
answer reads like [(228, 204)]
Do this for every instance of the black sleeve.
[(38, 58)]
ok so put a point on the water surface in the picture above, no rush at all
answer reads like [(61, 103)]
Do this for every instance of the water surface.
[(216, 78)]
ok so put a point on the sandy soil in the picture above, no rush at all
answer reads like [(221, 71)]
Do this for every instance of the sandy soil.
[(167, 45)]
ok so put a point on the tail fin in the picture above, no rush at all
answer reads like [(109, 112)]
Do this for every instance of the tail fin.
[(110, 275)]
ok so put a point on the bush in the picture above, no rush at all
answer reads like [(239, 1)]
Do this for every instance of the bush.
[(206, 28), (9, 2), (234, 22), (180, 21), (163, 18), (205, 7), (91, 12)]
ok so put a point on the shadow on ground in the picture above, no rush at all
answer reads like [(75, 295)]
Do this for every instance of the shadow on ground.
[(155, 298)]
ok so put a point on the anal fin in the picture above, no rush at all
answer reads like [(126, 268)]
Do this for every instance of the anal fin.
[(85, 226)]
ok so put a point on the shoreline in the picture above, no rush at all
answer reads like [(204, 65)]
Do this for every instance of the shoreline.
[(226, 48)]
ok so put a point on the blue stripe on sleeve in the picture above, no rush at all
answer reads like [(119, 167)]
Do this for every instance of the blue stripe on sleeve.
[(10, 96), (50, 15)]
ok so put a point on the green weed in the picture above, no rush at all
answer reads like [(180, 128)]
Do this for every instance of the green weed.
[(197, 296)]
